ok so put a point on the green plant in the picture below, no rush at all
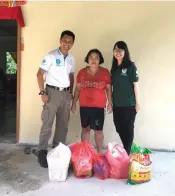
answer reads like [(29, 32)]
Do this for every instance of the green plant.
[(10, 64)]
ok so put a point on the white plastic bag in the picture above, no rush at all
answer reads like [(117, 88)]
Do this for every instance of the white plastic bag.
[(58, 163)]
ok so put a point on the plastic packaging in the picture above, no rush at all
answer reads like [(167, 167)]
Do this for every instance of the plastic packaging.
[(118, 160), (82, 159), (140, 165), (58, 162), (101, 166)]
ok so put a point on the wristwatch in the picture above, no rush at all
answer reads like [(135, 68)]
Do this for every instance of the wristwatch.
[(42, 92)]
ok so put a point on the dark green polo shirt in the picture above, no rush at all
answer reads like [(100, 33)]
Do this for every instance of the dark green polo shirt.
[(122, 83)]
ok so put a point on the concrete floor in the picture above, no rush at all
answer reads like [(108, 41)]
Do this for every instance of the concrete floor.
[(20, 175)]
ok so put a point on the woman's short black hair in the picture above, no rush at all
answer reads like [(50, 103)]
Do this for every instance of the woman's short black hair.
[(98, 53)]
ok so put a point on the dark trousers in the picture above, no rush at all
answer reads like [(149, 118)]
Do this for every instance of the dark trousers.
[(124, 118)]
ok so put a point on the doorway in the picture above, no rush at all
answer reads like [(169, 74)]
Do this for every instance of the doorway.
[(8, 80)]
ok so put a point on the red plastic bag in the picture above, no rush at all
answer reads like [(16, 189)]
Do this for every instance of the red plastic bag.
[(71, 146), (118, 160), (82, 159), (101, 166)]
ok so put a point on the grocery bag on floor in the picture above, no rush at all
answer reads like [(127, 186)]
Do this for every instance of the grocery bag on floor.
[(82, 159), (71, 146), (140, 165), (101, 166), (58, 162), (118, 160)]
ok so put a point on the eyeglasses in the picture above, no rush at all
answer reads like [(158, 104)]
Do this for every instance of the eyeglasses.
[(118, 50)]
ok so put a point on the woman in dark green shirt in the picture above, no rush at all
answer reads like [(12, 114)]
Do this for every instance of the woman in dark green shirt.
[(125, 93)]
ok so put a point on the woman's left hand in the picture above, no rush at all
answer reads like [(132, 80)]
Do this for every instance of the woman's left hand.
[(137, 107), (109, 107)]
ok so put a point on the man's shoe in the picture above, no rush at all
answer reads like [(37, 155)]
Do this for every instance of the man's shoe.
[(42, 154)]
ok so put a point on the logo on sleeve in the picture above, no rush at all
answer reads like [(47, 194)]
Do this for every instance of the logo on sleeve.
[(124, 72), (58, 62), (44, 61), (137, 74)]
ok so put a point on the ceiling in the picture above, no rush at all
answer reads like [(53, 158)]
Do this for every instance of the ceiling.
[(8, 28)]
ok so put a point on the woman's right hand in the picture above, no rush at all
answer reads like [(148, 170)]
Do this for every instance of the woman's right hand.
[(73, 108), (44, 98)]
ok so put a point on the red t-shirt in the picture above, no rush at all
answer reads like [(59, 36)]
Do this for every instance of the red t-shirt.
[(93, 87)]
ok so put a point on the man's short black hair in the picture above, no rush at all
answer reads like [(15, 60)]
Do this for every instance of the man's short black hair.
[(98, 53), (69, 33)]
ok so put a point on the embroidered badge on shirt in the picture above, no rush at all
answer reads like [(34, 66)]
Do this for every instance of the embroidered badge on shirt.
[(124, 72), (58, 62), (44, 61)]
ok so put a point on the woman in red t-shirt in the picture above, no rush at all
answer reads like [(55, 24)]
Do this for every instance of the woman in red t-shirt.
[(93, 89)]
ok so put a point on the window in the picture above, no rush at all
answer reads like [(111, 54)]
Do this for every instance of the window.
[(11, 64)]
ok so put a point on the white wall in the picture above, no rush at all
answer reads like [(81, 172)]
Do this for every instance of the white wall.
[(149, 30)]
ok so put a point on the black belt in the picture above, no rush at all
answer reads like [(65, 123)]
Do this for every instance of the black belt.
[(58, 88)]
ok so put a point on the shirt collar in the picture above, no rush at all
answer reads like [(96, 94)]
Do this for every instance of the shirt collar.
[(59, 52)]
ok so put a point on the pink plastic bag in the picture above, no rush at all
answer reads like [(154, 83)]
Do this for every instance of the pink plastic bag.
[(101, 166), (82, 159), (118, 160)]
